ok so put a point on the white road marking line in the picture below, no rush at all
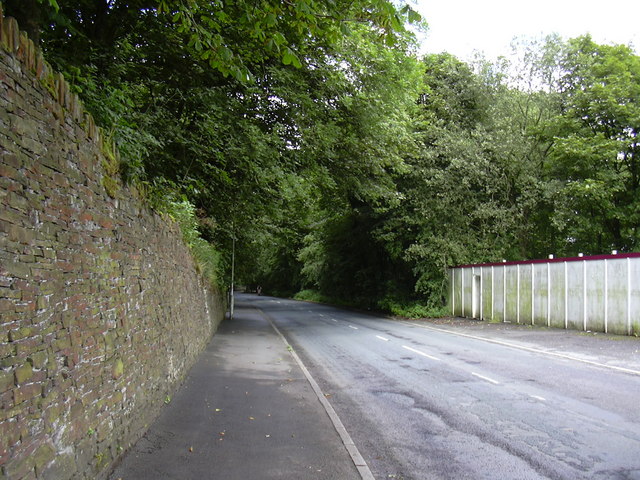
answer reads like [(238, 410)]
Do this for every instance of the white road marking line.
[(420, 353), (542, 399), (486, 379), (334, 319), (347, 441), (351, 326), (382, 338), (529, 349)]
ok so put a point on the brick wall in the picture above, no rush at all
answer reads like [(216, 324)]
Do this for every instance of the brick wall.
[(101, 309)]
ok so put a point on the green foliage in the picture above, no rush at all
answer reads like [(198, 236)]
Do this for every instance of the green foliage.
[(229, 37), (594, 156), (51, 3), (387, 304), (249, 111), (412, 309), (207, 257), (311, 295), (506, 172), (457, 202), (293, 128)]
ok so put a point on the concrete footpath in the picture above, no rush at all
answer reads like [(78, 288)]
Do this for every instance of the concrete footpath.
[(245, 411)]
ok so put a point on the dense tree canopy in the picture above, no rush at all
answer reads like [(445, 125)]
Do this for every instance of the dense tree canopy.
[(309, 132), (594, 156)]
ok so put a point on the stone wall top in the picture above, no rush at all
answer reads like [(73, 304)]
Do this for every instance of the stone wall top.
[(22, 48)]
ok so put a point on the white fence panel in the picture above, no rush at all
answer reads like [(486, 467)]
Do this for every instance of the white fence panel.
[(588, 293), (575, 295)]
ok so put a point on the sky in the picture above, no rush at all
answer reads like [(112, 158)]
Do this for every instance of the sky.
[(462, 26)]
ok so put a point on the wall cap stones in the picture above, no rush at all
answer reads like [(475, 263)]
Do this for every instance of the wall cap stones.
[(21, 47)]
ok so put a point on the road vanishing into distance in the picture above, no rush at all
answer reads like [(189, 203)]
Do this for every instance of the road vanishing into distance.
[(423, 401)]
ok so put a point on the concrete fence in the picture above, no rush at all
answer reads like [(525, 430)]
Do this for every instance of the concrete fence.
[(599, 293)]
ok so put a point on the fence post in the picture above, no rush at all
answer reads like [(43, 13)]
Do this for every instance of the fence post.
[(533, 293), (453, 292), (492, 294), (584, 294), (518, 294), (566, 297), (606, 296), (481, 294), (504, 293), (548, 294), (462, 292), (628, 296)]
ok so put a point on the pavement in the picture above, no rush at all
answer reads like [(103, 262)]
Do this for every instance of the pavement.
[(246, 410)]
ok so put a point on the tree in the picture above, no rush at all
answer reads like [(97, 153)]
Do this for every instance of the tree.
[(594, 157), (230, 36), (523, 101), (351, 123), (455, 204), (226, 102)]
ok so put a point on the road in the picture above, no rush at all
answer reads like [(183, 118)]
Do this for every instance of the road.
[(427, 402)]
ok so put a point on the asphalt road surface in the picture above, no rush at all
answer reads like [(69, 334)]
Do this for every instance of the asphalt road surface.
[(471, 401)]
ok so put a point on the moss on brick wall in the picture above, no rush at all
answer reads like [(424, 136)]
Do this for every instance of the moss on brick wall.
[(101, 309)]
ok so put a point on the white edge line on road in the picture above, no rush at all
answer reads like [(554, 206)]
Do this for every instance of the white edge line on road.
[(486, 379), (420, 353), (351, 326), (356, 457), (382, 338), (529, 349)]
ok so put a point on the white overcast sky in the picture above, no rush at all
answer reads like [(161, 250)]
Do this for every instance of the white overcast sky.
[(462, 26)]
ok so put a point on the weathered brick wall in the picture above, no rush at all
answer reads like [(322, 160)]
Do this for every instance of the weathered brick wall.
[(101, 309)]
